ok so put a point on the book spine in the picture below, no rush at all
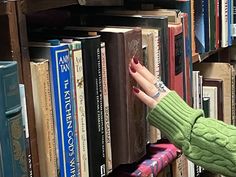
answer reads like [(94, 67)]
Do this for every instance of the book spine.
[(217, 3), (106, 111), (13, 152), (64, 113), (80, 112), (157, 55), (234, 19), (224, 23), (26, 130), (94, 106), (44, 118), (99, 88), (233, 95), (206, 24)]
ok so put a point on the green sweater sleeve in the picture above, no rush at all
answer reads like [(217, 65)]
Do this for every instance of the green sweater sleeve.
[(204, 141)]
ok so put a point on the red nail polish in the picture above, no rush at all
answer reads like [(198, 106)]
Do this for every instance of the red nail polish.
[(132, 69), (135, 90), (136, 61)]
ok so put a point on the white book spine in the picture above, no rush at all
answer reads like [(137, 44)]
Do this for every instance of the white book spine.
[(224, 23), (106, 111), (80, 111)]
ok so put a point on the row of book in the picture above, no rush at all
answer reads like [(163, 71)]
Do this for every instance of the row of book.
[(156, 29), (130, 133)]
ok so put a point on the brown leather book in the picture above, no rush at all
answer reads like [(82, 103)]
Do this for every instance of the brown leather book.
[(127, 113)]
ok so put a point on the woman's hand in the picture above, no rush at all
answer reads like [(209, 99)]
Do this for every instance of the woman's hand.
[(154, 90)]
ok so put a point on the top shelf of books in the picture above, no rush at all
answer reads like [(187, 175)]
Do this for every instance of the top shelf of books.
[(29, 6)]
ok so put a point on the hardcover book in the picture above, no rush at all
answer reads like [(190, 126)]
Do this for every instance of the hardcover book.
[(63, 111), (94, 108), (44, 117), (13, 151), (218, 83), (176, 58)]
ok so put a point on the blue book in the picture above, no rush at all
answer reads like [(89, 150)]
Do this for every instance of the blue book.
[(199, 18), (12, 140), (60, 71)]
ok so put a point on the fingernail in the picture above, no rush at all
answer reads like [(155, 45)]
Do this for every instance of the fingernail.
[(136, 61), (135, 90), (132, 69)]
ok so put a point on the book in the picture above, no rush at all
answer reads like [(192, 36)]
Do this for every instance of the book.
[(224, 32), (199, 26), (206, 106), (221, 71), (176, 58), (187, 64), (60, 77), (150, 38), (92, 75), (218, 83), (106, 109), (13, 151), (159, 156), (210, 98), (26, 129), (44, 117), (80, 110), (158, 22)]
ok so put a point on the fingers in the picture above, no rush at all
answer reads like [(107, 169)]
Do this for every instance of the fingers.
[(143, 70), (146, 85), (149, 101)]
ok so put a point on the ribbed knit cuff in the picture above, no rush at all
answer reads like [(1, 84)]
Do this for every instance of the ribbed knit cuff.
[(174, 118)]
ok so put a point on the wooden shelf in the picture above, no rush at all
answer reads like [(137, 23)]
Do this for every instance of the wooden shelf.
[(30, 6), (200, 57)]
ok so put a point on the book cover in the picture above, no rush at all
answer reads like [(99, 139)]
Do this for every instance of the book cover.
[(63, 110), (210, 98), (176, 58), (159, 156), (44, 117), (199, 26), (26, 129), (150, 38), (80, 110), (212, 13), (106, 109), (13, 151), (224, 32), (187, 64), (158, 22), (218, 83), (92, 75)]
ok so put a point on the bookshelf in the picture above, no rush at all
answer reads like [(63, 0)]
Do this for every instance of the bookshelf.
[(14, 32)]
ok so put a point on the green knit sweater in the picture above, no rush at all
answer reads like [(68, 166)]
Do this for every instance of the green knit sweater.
[(204, 141)]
